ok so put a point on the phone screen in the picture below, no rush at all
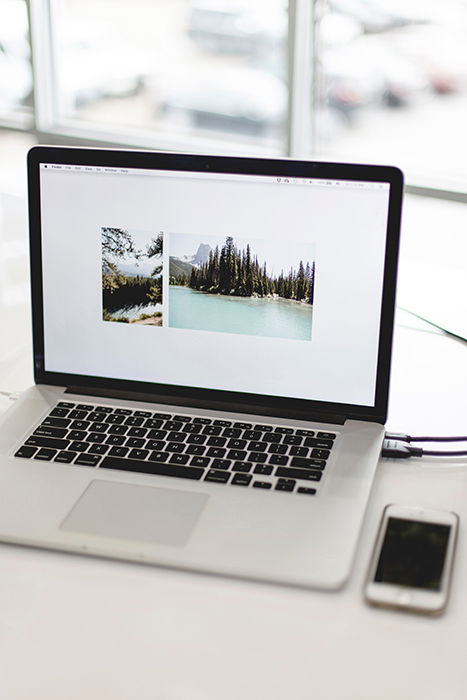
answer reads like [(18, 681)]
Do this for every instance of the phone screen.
[(413, 554)]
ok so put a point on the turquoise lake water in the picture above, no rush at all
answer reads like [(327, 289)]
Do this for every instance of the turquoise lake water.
[(277, 318)]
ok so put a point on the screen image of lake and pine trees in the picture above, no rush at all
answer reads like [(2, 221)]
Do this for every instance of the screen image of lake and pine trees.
[(232, 285), (131, 276)]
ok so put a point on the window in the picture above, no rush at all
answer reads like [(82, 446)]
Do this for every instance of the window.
[(15, 64), (364, 80)]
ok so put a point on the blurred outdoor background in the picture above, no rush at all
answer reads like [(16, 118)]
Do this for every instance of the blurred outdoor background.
[(363, 80)]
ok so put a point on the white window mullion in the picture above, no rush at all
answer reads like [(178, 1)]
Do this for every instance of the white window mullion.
[(300, 77), (40, 14)]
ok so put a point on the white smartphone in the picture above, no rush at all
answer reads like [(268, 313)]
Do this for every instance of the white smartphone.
[(412, 560)]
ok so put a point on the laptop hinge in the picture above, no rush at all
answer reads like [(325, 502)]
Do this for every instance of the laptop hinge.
[(207, 404)]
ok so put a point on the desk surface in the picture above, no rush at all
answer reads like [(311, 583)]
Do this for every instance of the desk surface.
[(75, 627)]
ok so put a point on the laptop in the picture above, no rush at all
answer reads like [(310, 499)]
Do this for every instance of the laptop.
[(212, 342)]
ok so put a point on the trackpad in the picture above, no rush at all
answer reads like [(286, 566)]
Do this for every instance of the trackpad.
[(129, 511)]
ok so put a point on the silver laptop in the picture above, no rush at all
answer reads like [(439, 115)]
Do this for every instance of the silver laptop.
[(212, 342)]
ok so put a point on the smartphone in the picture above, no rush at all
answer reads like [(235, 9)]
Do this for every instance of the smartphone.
[(412, 561)]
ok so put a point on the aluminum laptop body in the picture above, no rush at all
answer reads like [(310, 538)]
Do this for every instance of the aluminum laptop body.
[(246, 301)]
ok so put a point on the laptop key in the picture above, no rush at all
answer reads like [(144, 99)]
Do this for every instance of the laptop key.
[(299, 451), (142, 414), (284, 431), (216, 441), (117, 429), (212, 430), (263, 469), (59, 412), (216, 452), (65, 404), (84, 407), (46, 431), (222, 423), (192, 428), (159, 456), (278, 459), (251, 435), (214, 475), (172, 425), (79, 446), (221, 463), (123, 411), (258, 456), (155, 444), (255, 446), (134, 421), (114, 418), (76, 434), (56, 422), (306, 489), (99, 427), (98, 449), (175, 447), (242, 467), (243, 426), (138, 454), (241, 479), (195, 450), (153, 423), (231, 432), (183, 419), (315, 442), (135, 442), (329, 436), (292, 473), (285, 484), (96, 437), (305, 433), (65, 457), (236, 454), (292, 440), (152, 467), (308, 463), (179, 459), (119, 451), (78, 415), (272, 437), (79, 425), (135, 432), (275, 449), (196, 439), (45, 454), (262, 484), (26, 452), (202, 421), (53, 443), (320, 454), (115, 439), (236, 444), (88, 460), (176, 436), (200, 461)]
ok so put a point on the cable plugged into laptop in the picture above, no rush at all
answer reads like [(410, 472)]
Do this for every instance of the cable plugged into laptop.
[(397, 446)]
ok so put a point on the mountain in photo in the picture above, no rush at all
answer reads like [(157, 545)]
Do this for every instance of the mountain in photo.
[(184, 265)]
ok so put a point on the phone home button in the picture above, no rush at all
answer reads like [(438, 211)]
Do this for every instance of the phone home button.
[(403, 597)]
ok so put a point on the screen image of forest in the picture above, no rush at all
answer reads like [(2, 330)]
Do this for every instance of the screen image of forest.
[(253, 288), (131, 276)]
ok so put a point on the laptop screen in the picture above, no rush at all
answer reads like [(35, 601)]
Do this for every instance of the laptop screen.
[(251, 283)]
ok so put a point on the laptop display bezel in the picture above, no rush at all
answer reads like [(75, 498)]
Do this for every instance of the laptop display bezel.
[(211, 398)]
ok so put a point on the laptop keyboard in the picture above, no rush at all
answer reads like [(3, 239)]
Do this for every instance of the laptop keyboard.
[(188, 447)]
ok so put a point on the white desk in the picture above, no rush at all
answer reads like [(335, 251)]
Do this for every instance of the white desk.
[(75, 627)]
